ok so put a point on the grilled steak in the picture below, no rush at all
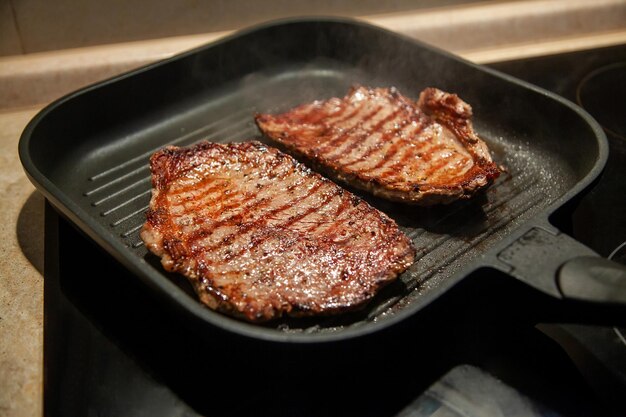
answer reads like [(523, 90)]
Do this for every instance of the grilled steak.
[(259, 235), (382, 142)]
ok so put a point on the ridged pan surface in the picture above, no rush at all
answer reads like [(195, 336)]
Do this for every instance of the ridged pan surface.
[(88, 152)]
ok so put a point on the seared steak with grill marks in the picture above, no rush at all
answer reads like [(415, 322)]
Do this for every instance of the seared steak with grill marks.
[(382, 142), (259, 235)]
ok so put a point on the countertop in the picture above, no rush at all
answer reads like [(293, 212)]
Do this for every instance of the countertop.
[(28, 82), (21, 280)]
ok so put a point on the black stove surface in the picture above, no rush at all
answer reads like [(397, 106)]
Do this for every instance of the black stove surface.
[(111, 351)]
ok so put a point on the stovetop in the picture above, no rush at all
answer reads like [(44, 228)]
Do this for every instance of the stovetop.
[(110, 350)]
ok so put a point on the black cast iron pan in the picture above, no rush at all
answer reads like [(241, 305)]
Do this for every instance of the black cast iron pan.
[(88, 154)]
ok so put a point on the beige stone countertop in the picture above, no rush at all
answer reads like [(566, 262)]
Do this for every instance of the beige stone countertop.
[(28, 82), (21, 276)]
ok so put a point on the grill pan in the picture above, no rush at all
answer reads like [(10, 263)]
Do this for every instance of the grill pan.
[(88, 154)]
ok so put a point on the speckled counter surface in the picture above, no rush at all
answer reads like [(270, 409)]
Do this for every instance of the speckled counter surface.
[(21, 278)]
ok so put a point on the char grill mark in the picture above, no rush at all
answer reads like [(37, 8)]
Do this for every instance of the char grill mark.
[(389, 149), (253, 225), (250, 223), (350, 136), (260, 236), (378, 149), (361, 141), (423, 152)]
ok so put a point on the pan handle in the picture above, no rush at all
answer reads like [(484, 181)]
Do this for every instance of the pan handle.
[(561, 266)]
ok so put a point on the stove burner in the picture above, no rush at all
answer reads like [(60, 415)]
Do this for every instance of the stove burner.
[(603, 94), (619, 255)]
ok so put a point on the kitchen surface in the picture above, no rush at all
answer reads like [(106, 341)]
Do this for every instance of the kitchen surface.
[(36, 68)]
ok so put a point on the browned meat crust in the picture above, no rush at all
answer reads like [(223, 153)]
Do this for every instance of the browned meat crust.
[(259, 235), (380, 141)]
